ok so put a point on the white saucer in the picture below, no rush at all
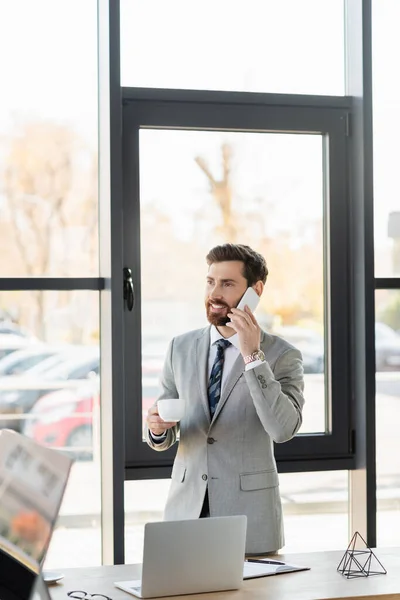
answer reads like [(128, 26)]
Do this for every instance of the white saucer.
[(52, 576)]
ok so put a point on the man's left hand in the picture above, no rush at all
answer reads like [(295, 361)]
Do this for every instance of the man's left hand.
[(247, 328)]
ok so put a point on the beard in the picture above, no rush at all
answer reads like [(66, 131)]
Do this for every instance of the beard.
[(217, 319)]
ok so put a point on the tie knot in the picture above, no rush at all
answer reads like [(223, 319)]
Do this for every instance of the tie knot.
[(222, 343)]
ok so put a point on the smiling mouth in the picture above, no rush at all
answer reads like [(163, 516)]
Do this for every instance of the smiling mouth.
[(216, 308)]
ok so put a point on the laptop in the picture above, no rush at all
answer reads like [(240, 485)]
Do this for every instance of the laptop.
[(191, 557), (32, 484)]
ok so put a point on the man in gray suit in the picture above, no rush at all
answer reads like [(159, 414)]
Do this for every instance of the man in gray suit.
[(243, 390)]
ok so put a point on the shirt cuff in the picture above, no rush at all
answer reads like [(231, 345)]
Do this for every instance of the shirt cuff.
[(254, 364), (159, 435), (158, 438)]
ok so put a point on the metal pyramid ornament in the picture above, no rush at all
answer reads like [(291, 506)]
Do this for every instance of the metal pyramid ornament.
[(360, 561)]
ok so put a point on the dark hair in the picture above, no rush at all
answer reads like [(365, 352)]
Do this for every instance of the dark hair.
[(254, 265)]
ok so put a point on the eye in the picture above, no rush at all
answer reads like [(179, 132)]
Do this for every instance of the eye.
[(228, 284)]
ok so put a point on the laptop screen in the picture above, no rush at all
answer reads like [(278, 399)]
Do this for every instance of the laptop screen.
[(32, 484)]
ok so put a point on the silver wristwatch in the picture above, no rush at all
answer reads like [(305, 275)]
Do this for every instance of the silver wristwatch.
[(257, 355)]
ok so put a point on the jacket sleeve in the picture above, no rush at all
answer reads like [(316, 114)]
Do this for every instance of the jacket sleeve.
[(168, 390), (278, 395)]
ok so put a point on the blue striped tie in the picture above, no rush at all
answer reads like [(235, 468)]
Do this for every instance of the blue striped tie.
[(214, 385)]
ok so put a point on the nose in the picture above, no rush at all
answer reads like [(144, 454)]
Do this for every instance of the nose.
[(215, 297), (215, 292)]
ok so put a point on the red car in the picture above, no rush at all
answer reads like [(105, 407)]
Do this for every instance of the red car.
[(64, 419)]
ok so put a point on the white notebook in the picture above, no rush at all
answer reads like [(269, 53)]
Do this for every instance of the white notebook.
[(264, 567)]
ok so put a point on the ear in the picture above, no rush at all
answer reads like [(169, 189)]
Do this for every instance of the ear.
[(258, 287)]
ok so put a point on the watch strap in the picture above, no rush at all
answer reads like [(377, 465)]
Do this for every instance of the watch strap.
[(257, 355)]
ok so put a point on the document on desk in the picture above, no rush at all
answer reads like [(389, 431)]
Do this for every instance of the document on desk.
[(263, 568)]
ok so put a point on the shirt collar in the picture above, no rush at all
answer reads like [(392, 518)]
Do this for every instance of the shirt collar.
[(215, 335)]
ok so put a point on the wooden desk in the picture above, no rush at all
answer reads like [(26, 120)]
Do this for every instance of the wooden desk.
[(322, 582)]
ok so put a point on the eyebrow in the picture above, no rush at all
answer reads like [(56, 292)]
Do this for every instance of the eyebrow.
[(223, 280)]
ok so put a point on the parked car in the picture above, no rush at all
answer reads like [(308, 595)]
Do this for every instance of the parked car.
[(25, 391), (51, 362), (20, 361), (9, 342), (64, 419), (309, 342), (387, 348), (11, 327)]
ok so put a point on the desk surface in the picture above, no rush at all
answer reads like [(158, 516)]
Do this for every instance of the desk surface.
[(322, 582)]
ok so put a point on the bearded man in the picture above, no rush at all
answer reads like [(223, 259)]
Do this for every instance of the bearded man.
[(243, 390)]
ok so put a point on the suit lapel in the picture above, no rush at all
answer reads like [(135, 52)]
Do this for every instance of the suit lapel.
[(234, 375), (202, 351)]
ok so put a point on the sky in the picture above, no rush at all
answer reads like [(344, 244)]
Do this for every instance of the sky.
[(266, 168), (49, 66)]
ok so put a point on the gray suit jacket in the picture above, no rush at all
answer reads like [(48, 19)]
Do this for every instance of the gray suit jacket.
[(232, 454)]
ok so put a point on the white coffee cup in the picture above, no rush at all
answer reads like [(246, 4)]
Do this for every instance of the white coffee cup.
[(171, 409)]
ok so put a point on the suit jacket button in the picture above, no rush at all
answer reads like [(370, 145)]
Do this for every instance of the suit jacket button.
[(260, 377), (204, 477), (210, 440)]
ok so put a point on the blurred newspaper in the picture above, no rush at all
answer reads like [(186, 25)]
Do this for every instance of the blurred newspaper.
[(32, 483)]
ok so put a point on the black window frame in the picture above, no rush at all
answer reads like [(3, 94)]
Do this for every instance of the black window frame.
[(250, 112)]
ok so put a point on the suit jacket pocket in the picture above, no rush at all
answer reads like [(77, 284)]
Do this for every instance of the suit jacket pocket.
[(261, 480), (178, 472)]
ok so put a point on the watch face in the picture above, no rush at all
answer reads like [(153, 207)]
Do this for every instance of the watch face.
[(259, 355)]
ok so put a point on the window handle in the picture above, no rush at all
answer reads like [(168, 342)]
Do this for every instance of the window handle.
[(129, 293)]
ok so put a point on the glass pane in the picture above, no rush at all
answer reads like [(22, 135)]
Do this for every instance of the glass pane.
[(284, 46), (387, 341), (48, 138), (312, 503), (386, 107), (144, 503), (50, 390), (271, 197)]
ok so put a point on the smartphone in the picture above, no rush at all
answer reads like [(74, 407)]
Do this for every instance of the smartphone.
[(251, 298)]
